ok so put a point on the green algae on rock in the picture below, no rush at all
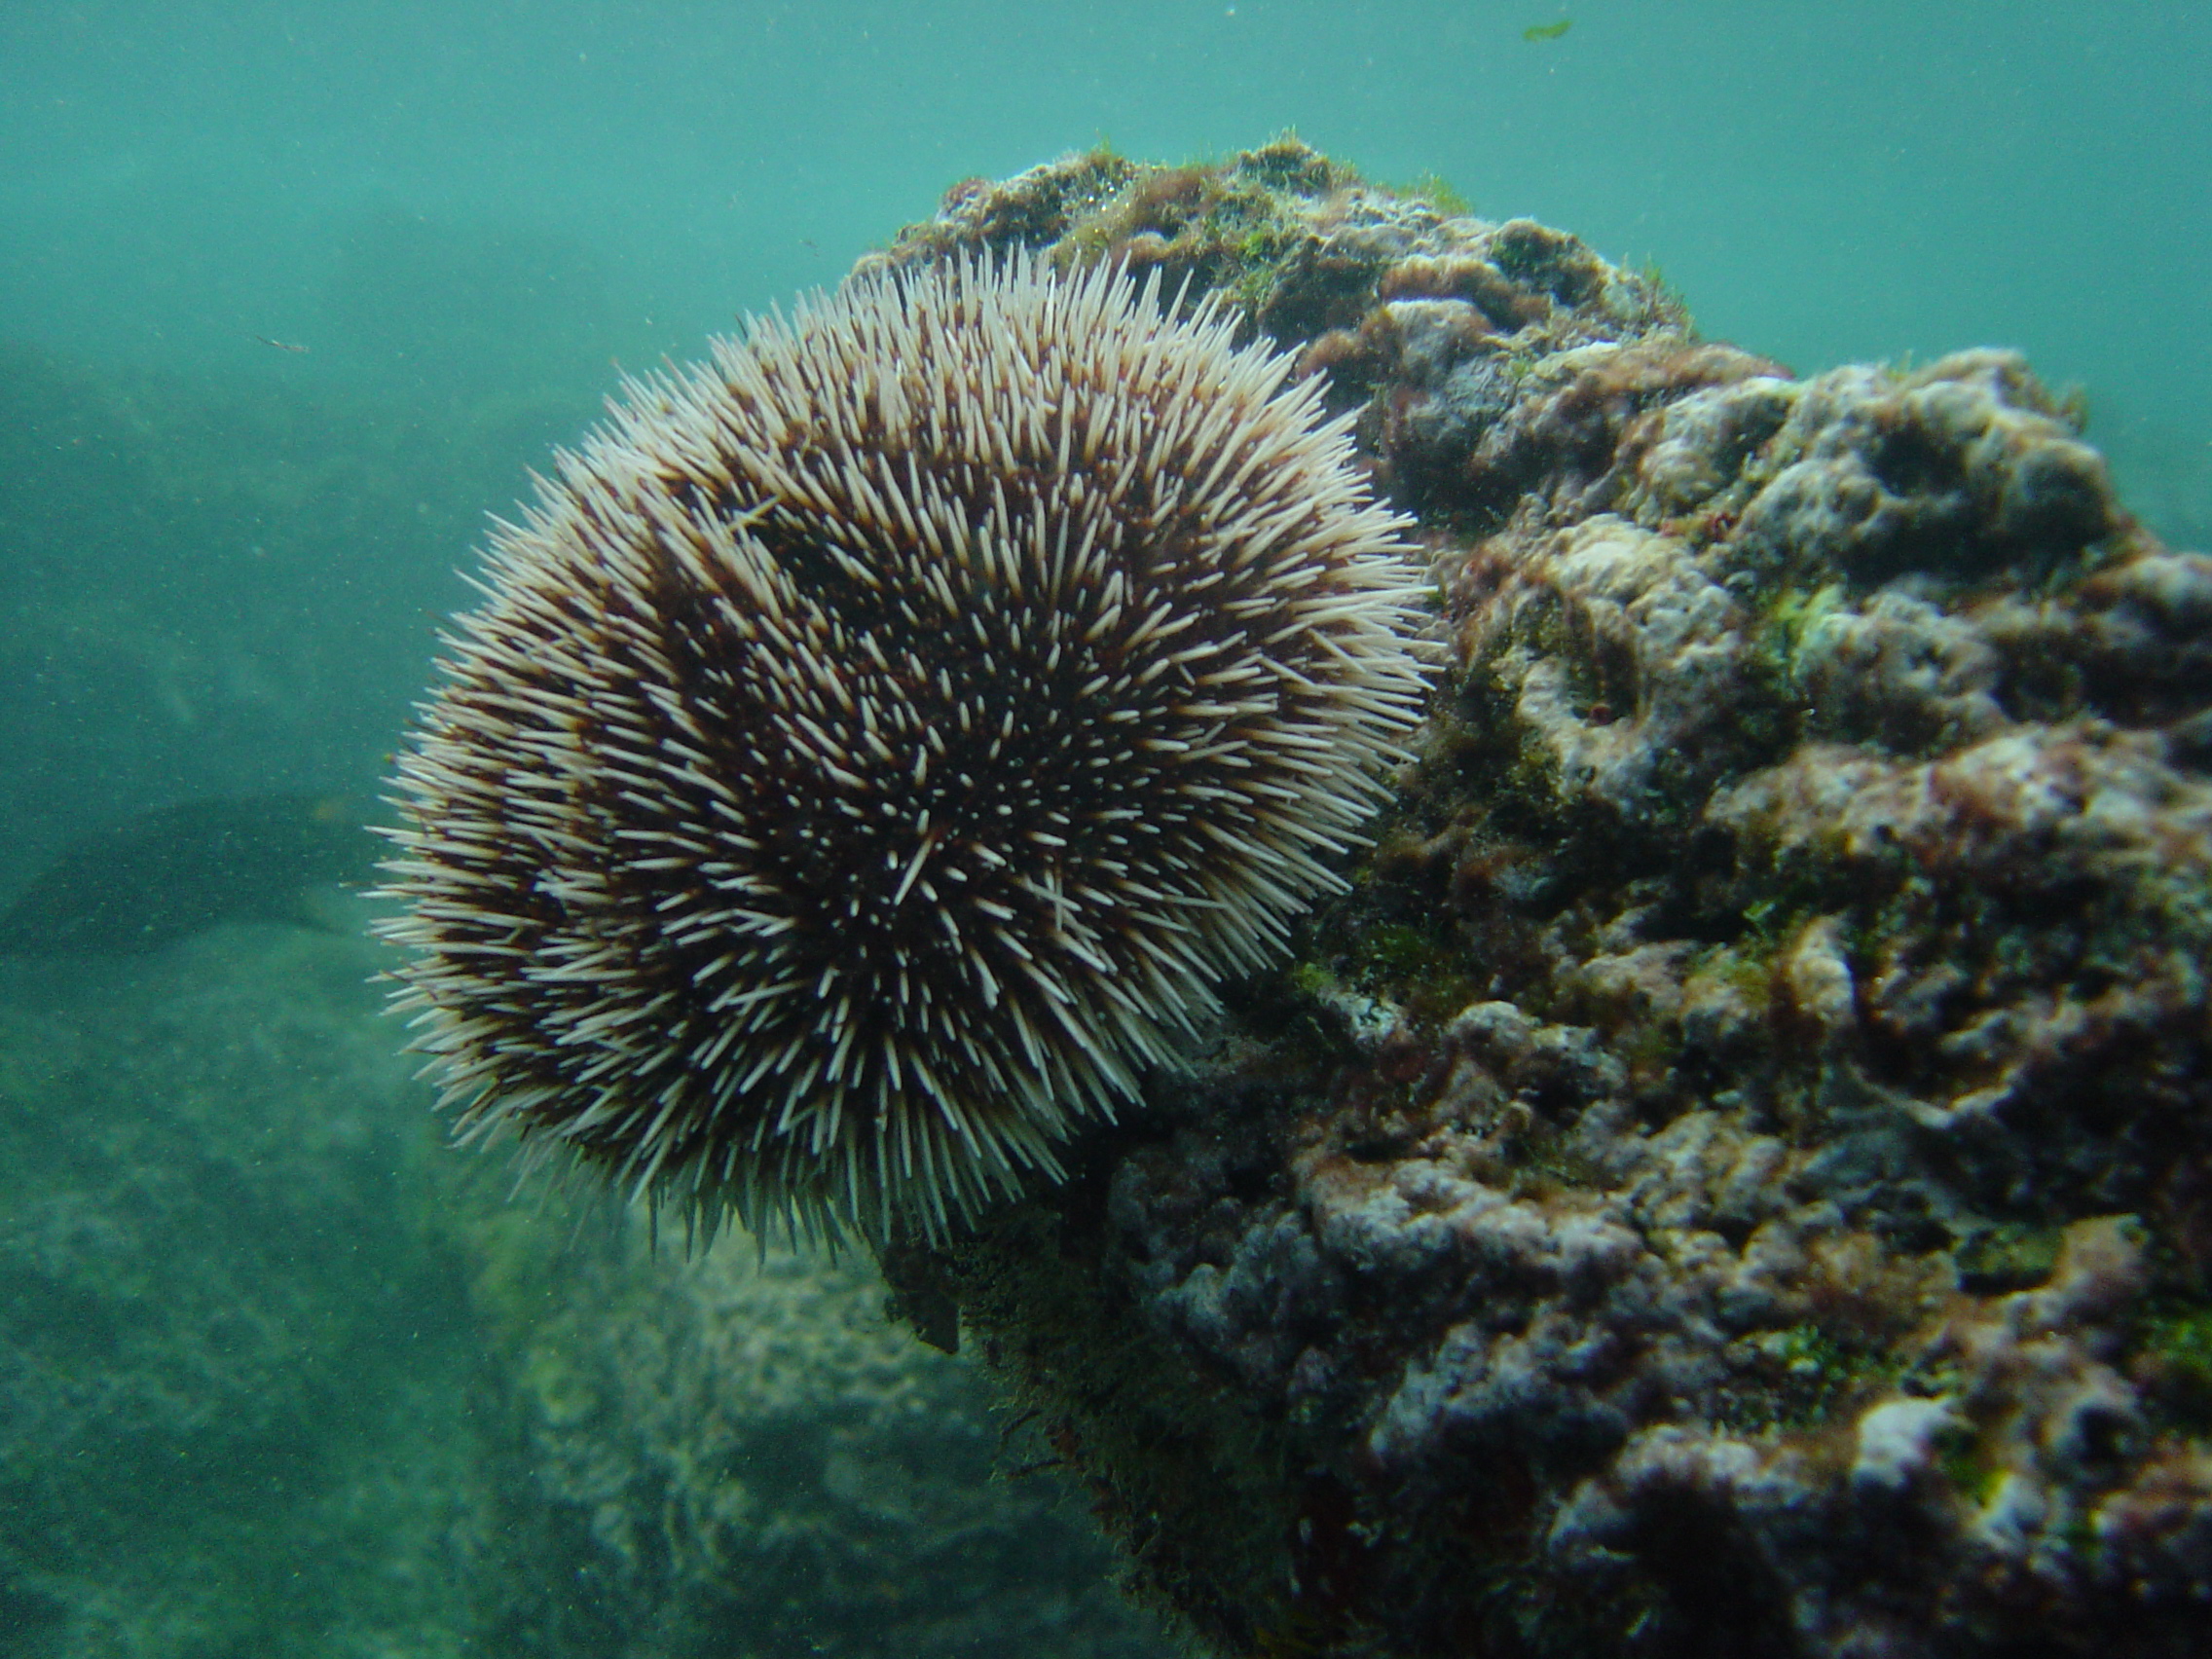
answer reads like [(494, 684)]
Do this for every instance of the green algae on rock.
[(1792, 1234)]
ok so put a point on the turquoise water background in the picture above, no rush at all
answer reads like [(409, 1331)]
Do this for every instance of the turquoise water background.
[(293, 295), (468, 214), (1823, 181)]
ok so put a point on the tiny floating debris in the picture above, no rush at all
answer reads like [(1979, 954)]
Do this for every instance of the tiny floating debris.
[(1535, 32), (165, 875)]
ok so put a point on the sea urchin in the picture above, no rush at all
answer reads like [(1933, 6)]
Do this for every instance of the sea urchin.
[(876, 741)]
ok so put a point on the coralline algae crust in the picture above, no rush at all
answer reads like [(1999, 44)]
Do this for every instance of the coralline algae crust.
[(1735, 1174)]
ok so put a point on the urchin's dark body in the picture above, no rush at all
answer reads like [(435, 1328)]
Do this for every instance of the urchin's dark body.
[(874, 742)]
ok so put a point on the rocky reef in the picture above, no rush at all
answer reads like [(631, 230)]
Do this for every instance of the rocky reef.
[(1734, 1176)]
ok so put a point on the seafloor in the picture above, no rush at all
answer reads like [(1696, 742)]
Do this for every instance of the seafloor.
[(282, 1375)]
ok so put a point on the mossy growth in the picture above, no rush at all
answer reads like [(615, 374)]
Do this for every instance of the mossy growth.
[(2176, 1339), (1545, 1163), (1969, 1460), (1747, 967), (1648, 1049), (1804, 1377), (1435, 190), (1287, 163), (1242, 228), (1293, 1012), (1220, 227), (1787, 616), (1423, 970), (2008, 1257)]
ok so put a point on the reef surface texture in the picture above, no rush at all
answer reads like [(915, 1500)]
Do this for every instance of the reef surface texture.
[(1735, 1174)]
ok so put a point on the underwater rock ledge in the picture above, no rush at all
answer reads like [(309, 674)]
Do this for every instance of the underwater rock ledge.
[(1735, 1175)]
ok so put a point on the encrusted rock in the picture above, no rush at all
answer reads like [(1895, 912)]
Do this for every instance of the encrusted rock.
[(1771, 1212)]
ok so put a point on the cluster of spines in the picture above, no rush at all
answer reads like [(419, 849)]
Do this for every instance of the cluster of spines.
[(876, 742)]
